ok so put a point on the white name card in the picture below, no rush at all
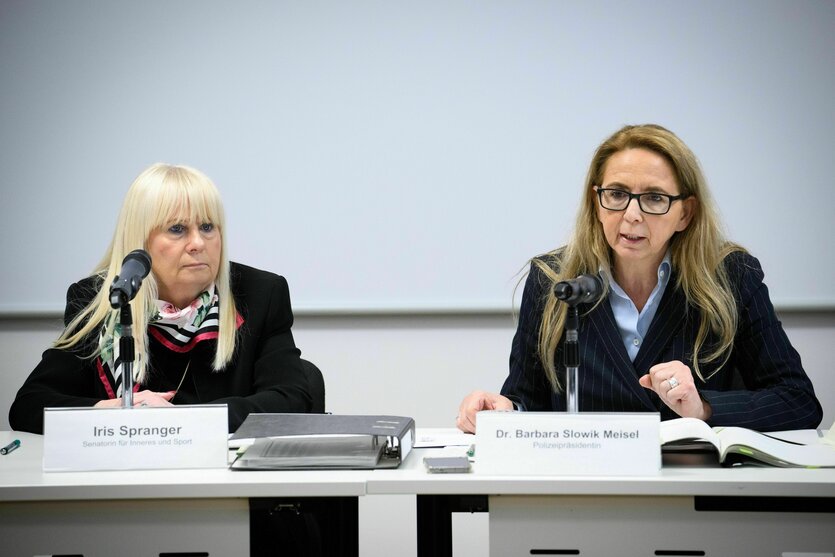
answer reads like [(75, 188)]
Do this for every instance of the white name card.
[(145, 438), (557, 443)]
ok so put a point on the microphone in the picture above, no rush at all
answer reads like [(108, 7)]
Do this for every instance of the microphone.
[(583, 289), (135, 266)]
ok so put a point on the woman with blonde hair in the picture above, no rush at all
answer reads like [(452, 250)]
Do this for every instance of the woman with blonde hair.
[(684, 326), (206, 330)]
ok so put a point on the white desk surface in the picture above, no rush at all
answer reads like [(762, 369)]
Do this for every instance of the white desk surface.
[(684, 480), (705, 477), (22, 479)]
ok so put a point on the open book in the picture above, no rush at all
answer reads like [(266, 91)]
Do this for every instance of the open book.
[(738, 444)]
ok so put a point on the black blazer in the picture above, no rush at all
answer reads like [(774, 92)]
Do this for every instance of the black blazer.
[(762, 386), (265, 374)]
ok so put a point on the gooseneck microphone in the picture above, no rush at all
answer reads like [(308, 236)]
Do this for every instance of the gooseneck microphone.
[(584, 289), (135, 266)]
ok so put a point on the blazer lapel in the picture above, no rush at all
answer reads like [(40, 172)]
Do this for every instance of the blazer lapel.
[(601, 324), (666, 323)]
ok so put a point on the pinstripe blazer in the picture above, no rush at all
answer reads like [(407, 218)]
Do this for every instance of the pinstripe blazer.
[(762, 386)]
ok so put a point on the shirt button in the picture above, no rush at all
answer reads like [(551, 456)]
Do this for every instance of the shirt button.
[(636, 341)]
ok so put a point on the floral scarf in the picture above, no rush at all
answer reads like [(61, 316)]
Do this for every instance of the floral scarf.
[(176, 329)]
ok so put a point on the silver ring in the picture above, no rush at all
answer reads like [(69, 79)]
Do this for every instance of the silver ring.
[(673, 382)]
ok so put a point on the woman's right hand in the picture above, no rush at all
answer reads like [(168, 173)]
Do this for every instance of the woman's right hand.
[(475, 402), (142, 398)]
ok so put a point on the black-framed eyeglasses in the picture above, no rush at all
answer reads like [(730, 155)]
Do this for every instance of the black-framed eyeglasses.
[(651, 203)]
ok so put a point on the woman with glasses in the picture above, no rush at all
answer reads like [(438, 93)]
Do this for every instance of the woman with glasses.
[(684, 326)]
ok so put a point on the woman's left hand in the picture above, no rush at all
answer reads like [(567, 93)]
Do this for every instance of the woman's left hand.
[(673, 382), (151, 398)]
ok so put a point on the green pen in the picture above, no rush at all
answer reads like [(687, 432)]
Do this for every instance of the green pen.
[(10, 447)]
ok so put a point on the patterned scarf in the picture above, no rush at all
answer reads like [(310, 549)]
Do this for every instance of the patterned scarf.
[(176, 329)]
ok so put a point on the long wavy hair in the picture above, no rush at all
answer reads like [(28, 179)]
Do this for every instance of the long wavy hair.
[(697, 252), (160, 195)]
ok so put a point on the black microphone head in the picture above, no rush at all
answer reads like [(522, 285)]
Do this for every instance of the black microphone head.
[(135, 266), (591, 287), (141, 256), (584, 289), (563, 290)]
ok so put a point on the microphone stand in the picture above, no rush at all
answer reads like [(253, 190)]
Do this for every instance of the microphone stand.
[(127, 355), (135, 266), (571, 358), (585, 288)]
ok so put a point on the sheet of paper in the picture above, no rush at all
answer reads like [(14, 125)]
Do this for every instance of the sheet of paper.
[(801, 436), (442, 437)]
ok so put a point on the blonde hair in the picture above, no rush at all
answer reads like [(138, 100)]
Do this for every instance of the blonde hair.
[(160, 195), (697, 252)]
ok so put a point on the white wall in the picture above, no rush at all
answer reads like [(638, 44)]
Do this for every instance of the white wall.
[(406, 155)]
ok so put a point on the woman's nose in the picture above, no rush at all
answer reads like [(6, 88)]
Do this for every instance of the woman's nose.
[(633, 211), (195, 240)]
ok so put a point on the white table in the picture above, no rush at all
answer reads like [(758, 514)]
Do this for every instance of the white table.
[(693, 507), (146, 513), (211, 511)]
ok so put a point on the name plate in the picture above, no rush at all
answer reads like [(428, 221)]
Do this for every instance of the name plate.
[(145, 438), (557, 443)]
